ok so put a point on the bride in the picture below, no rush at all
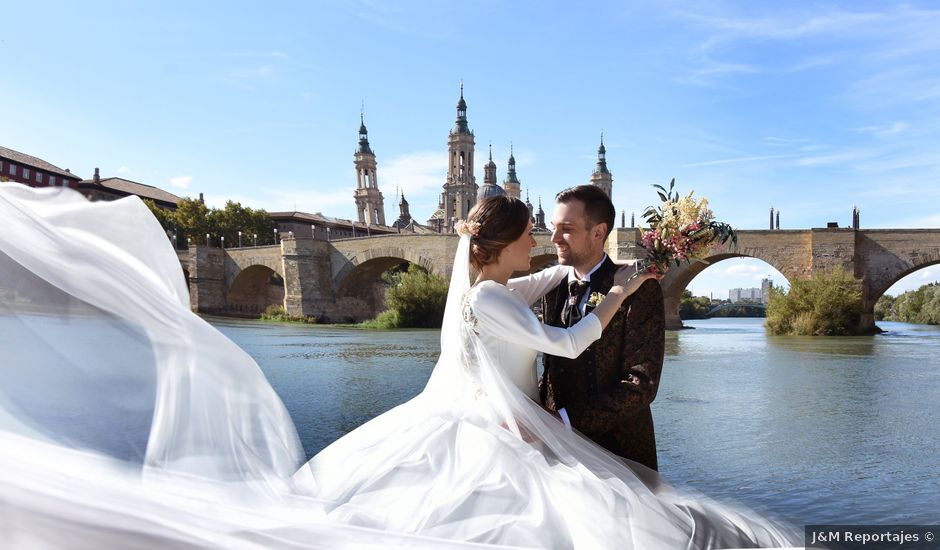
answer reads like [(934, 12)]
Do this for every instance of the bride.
[(126, 421)]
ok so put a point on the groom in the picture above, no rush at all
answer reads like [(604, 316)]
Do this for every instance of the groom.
[(606, 392)]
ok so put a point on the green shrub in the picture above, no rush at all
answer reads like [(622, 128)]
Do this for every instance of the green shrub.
[(278, 313), (693, 307), (386, 320), (415, 299), (827, 304)]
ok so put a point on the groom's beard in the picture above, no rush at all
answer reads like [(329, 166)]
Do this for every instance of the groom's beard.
[(581, 258)]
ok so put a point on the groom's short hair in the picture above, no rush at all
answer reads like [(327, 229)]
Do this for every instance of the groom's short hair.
[(597, 205)]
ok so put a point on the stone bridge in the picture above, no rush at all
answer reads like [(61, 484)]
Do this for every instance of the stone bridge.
[(340, 280), (336, 281)]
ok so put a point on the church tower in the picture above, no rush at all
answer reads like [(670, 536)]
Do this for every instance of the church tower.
[(404, 218), (370, 206), (602, 176), (490, 187), (511, 184), (540, 217), (460, 189)]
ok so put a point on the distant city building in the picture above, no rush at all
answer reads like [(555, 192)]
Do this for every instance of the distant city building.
[(752, 295), (765, 286), (109, 189), (33, 171), (323, 228)]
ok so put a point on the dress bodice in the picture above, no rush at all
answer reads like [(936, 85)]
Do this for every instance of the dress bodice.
[(512, 335)]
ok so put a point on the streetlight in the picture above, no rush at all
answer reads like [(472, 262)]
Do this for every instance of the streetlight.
[(275, 235), (313, 231), (207, 240), (239, 239), (327, 234), (223, 242), (255, 235)]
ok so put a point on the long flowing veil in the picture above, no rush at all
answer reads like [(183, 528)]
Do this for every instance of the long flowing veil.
[(126, 421)]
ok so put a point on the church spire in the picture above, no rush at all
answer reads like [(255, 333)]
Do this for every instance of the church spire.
[(601, 177), (363, 137), (461, 126), (511, 183), (602, 157)]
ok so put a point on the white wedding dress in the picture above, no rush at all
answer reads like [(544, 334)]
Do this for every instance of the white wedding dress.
[(128, 422)]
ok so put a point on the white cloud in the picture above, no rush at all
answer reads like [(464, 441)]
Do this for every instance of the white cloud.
[(836, 158), (181, 182), (736, 160), (413, 173), (885, 130), (745, 269), (124, 170)]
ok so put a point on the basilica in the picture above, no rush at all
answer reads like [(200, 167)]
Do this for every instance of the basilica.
[(460, 191)]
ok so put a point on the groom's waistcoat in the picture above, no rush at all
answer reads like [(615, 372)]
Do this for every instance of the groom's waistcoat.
[(608, 389)]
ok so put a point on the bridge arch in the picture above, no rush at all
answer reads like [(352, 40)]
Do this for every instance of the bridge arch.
[(360, 271), (541, 257), (677, 279), (878, 289), (253, 289)]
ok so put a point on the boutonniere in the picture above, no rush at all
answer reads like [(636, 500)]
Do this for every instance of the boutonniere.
[(595, 299)]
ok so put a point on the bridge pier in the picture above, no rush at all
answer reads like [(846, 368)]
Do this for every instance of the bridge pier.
[(308, 288), (206, 268)]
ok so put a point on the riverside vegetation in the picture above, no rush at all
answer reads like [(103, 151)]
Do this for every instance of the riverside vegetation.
[(827, 304), (921, 306), (415, 299), (193, 220)]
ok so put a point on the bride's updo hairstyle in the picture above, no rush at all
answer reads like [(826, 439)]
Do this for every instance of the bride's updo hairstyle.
[(502, 220)]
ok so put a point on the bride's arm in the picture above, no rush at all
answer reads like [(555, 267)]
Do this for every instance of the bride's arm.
[(504, 317), (533, 286)]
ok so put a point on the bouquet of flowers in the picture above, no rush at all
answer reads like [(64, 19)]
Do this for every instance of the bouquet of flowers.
[(681, 229)]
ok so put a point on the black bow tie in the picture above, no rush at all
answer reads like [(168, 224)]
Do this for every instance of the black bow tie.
[(571, 313)]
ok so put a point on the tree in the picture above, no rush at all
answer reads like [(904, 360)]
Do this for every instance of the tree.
[(827, 304), (192, 220), (921, 306), (693, 307), (415, 299)]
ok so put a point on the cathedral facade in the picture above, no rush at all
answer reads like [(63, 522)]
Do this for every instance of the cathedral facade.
[(460, 191)]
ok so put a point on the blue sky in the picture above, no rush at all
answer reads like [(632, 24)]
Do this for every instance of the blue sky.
[(808, 107)]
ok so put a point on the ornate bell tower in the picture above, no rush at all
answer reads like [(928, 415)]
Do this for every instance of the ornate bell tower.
[(511, 184), (460, 189), (602, 176), (370, 206)]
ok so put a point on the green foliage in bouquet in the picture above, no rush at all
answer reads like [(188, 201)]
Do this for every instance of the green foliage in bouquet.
[(680, 229)]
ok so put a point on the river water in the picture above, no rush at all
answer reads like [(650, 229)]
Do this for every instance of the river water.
[(813, 430)]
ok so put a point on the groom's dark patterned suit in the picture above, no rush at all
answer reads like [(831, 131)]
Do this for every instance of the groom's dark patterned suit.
[(608, 389)]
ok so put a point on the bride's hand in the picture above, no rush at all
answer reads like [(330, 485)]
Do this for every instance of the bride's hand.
[(623, 275), (628, 286)]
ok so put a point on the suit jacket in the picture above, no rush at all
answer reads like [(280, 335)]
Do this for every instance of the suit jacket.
[(608, 389)]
